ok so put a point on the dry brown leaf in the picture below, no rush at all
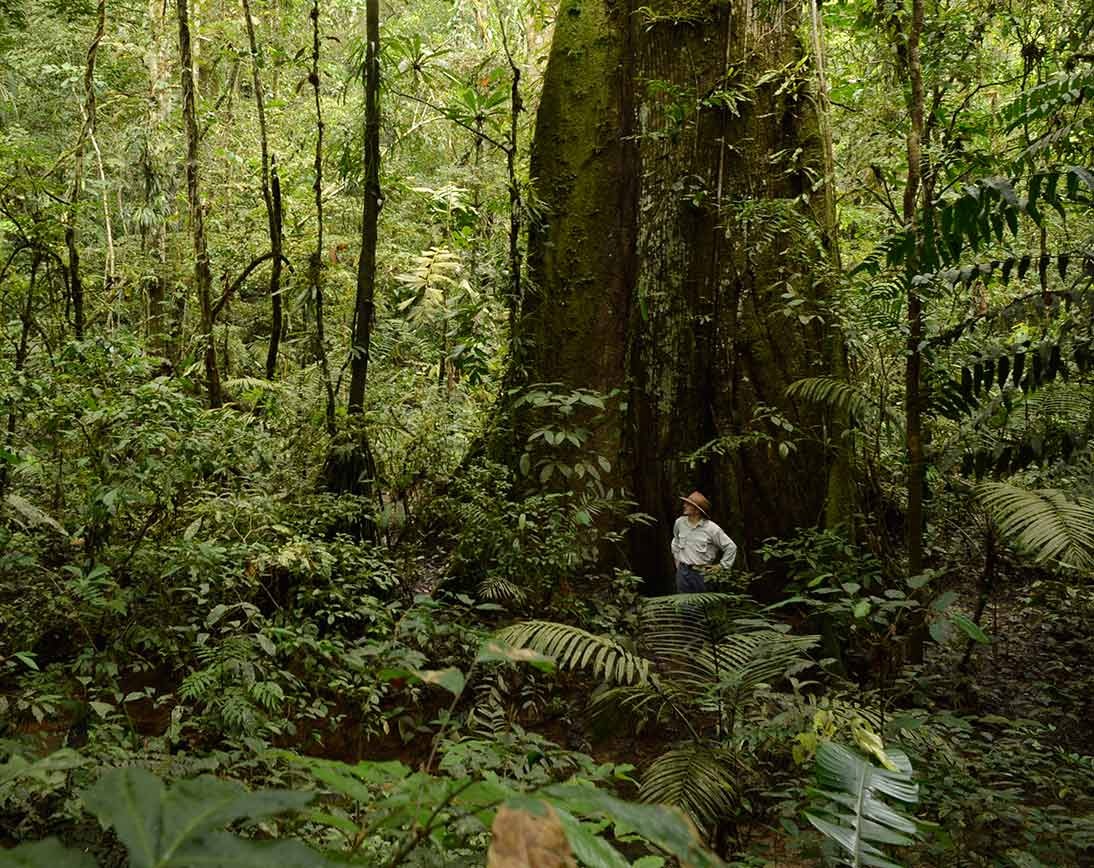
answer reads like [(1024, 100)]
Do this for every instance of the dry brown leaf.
[(523, 840)]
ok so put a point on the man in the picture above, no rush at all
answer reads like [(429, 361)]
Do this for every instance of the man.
[(697, 542)]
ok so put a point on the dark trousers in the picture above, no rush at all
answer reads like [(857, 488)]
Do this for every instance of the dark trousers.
[(689, 580)]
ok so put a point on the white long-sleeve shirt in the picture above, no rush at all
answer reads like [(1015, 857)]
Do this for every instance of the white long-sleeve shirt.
[(700, 544)]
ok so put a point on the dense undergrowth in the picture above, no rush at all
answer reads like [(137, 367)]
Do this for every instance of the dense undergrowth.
[(208, 656), (179, 598)]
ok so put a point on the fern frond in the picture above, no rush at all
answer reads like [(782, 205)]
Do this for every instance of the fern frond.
[(697, 778), (197, 684), (839, 396), (574, 648), (1050, 525), (1057, 93), (253, 384)]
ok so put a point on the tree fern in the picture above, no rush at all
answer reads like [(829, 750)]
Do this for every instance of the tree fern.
[(1052, 526), (854, 814)]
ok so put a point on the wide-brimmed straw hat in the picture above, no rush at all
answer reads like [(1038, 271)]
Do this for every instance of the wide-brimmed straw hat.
[(699, 501)]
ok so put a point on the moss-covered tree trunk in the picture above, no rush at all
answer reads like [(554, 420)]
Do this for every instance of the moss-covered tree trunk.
[(203, 276), (683, 256)]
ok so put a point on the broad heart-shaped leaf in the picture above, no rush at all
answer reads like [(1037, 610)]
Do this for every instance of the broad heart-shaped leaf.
[(130, 800), (161, 828), (49, 853), (970, 628)]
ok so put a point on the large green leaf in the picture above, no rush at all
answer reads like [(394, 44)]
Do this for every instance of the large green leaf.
[(853, 814), (182, 826), (41, 770), (49, 853), (590, 849), (666, 827), (225, 850)]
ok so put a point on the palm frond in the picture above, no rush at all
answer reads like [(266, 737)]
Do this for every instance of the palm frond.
[(1067, 401), (498, 589), (854, 814), (574, 648), (1052, 526), (698, 778), (631, 707), (707, 601), (748, 660), (672, 627)]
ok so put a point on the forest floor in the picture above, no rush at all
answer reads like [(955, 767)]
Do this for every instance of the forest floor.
[(1040, 665)]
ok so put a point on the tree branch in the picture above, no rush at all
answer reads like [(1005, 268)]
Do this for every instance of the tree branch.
[(442, 110), (238, 282)]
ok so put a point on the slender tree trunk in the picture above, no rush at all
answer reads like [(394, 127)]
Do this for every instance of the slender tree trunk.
[(203, 276), (516, 106), (315, 270), (350, 466), (271, 195), (913, 374), (364, 306), (21, 353), (90, 115), (154, 239), (918, 215), (72, 231)]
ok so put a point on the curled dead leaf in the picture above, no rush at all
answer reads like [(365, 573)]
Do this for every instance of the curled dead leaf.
[(523, 840)]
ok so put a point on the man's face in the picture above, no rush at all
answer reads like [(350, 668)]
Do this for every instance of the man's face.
[(689, 509)]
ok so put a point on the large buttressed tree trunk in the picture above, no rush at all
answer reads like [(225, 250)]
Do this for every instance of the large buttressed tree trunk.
[(681, 168)]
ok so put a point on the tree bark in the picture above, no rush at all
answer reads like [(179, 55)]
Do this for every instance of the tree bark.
[(158, 327), (516, 106), (682, 220), (315, 270), (72, 231), (271, 195), (913, 376), (350, 466), (364, 305), (21, 353), (203, 275), (918, 214)]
